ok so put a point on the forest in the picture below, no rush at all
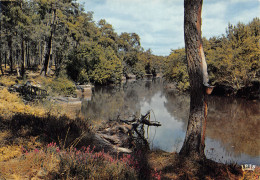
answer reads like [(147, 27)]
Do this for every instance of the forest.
[(56, 49), (61, 37)]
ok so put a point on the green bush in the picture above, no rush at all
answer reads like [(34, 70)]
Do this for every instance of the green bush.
[(176, 69), (60, 85), (93, 63)]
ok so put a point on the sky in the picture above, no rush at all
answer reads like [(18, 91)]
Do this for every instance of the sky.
[(159, 23)]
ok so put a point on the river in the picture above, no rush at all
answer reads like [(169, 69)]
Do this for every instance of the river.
[(232, 134)]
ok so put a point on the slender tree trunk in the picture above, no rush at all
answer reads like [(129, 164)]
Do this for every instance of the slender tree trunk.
[(43, 49), (1, 63), (194, 143), (18, 70), (10, 52), (23, 57), (5, 59), (28, 55), (48, 54)]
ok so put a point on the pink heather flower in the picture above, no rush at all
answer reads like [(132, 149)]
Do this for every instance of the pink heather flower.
[(57, 149), (36, 150)]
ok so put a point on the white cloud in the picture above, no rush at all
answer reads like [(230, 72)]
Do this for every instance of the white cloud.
[(216, 10), (159, 23)]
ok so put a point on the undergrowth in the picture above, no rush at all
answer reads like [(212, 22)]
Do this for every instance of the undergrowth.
[(53, 163), (56, 86), (11, 104), (27, 151)]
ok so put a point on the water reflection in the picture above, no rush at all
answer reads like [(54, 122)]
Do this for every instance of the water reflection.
[(232, 127), (235, 123)]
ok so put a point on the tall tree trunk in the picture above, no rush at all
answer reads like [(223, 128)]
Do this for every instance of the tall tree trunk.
[(194, 143), (18, 70), (23, 57), (48, 54), (1, 63), (43, 49), (28, 55), (10, 52), (5, 59)]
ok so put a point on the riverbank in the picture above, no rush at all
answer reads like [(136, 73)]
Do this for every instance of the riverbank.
[(28, 151), (37, 142)]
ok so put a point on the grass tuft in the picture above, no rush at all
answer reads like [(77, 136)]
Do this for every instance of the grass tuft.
[(11, 104), (52, 162)]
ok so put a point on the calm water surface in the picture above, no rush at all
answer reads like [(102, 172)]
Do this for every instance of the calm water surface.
[(233, 125)]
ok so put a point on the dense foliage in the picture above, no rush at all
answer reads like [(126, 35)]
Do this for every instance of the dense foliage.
[(176, 69), (233, 59), (61, 36)]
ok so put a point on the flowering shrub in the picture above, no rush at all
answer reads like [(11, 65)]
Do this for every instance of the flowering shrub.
[(156, 174), (96, 165), (52, 162)]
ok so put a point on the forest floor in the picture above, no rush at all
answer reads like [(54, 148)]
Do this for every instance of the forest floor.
[(41, 141)]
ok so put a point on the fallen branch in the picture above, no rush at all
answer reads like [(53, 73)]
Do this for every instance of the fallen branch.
[(122, 135)]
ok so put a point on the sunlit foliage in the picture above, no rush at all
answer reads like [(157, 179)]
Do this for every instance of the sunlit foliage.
[(61, 34), (11, 103), (233, 59)]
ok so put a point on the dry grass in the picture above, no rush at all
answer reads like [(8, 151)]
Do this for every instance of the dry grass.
[(11, 104), (9, 152), (25, 131), (8, 80), (174, 166), (52, 163), (251, 175)]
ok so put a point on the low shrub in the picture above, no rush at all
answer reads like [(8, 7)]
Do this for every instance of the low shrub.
[(11, 104), (62, 86), (8, 81), (51, 162), (56, 86)]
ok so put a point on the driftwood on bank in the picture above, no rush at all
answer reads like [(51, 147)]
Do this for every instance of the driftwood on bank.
[(145, 119), (121, 136), (29, 91)]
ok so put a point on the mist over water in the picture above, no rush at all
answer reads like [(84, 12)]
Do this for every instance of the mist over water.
[(233, 125)]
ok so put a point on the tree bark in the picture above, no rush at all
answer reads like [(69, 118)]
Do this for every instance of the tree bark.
[(48, 54), (17, 60), (43, 49), (5, 59), (1, 61), (27, 47), (194, 143), (23, 57), (1, 64), (10, 52)]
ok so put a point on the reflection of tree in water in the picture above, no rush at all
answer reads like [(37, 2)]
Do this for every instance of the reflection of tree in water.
[(125, 100), (178, 106), (104, 103), (235, 122)]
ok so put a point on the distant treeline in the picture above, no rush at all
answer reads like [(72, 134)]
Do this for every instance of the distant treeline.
[(47, 33), (233, 61)]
